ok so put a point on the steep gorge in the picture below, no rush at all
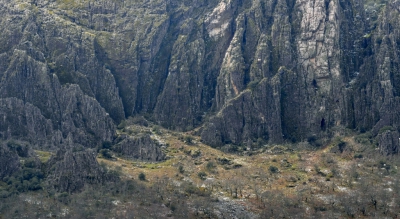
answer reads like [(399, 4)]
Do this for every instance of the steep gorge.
[(276, 70)]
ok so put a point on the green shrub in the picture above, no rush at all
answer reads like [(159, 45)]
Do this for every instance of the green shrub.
[(364, 139), (210, 165), (311, 139), (28, 179), (105, 153), (30, 163), (224, 161), (202, 175), (190, 189), (181, 170), (316, 168), (106, 145), (142, 176), (122, 125), (21, 150), (253, 84), (386, 128), (260, 142), (157, 130), (273, 169), (188, 139), (195, 153), (64, 198), (78, 148)]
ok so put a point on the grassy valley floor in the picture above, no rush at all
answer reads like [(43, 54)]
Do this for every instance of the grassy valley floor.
[(344, 178)]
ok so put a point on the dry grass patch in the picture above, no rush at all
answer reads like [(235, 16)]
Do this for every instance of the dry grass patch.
[(43, 156)]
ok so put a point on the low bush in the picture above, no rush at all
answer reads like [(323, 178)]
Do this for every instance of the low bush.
[(142, 176)]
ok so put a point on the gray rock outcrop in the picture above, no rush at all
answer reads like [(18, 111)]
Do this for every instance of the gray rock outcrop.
[(69, 170), (9, 161), (37, 109), (389, 142), (251, 115), (141, 147)]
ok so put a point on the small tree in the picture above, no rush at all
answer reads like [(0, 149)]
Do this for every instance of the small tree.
[(106, 153), (181, 170), (202, 175), (142, 176), (106, 145), (210, 166), (273, 169), (188, 139)]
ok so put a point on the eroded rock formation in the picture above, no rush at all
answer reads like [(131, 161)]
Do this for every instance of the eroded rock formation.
[(9, 161), (276, 70), (70, 169), (141, 147)]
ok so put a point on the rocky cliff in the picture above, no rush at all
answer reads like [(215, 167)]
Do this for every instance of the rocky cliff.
[(274, 70), (69, 170), (141, 147), (9, 161)]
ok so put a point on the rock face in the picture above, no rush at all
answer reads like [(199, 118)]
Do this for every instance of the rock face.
[(251, 115), (141, 147), (389, 142), (25, 121), (9, 161), (36, 108), (69, 170), (271, 69)]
